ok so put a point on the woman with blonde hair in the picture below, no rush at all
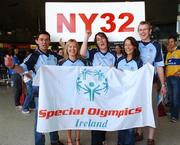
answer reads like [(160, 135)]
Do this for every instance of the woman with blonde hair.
[(72, 58)]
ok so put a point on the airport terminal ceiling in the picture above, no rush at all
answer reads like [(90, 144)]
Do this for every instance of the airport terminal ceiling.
[(25, 17)]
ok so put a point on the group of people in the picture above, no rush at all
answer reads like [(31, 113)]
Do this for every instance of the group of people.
[(135, 55)]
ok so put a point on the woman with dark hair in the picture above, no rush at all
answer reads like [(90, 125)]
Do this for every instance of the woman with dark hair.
[(131, 62), (98, 57)]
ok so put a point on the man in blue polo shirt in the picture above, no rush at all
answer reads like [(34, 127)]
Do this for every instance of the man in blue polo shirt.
[(150, 52), (33, 62)]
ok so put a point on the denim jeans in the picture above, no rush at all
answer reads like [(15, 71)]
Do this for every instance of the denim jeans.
[(40, 137), (16, 78), (126, 137), (29, 97), (173, 85)]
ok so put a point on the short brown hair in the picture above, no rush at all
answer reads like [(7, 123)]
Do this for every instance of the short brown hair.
[(145, 23)]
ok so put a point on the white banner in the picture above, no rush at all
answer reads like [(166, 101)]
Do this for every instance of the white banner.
[(94, 98), (70, 20)]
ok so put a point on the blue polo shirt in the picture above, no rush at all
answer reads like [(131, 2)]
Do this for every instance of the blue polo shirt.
[(69, 62), (16, 62), (131, 65), (151, 52), (37, 59), (101, 59)]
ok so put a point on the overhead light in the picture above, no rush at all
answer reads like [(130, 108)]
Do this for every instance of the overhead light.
[(9, 33)]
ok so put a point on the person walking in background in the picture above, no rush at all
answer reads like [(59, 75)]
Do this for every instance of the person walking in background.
[(150, 52), (173, 77), (131, 61), (98, 57), (33, 62), (15, 78)]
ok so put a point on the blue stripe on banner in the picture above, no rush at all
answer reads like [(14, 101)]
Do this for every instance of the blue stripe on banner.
[(174, 61)]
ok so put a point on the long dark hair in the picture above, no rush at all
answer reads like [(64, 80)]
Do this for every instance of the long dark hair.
[(134, 42)]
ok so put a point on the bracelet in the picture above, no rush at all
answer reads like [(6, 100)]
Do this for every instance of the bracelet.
[(163, 85)]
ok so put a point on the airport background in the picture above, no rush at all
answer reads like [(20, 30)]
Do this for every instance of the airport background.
[(20, 22)]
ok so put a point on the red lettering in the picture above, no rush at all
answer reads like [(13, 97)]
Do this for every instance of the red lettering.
[(66, 112), (138, 109), (92, 111), (124, 27), (71, 26), (131, 111), (42, 113), (82, 111), (58, 112), (49, 114), (121, 113), (109, 21), (126, 111), (88, 22)]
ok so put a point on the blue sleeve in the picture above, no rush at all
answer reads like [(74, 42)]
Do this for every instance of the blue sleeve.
[(118, 60), (91, 54), (62, 62), (16, 60), (159, 61), (30, 61), (139, 63)]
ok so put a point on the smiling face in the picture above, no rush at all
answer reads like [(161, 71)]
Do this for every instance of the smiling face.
[(144, 30), (72, 49), (129, 47)]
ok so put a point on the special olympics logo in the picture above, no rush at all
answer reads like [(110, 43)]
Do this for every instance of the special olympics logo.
[(93, 83)]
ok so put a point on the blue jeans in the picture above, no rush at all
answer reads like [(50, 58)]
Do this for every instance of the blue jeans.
[(16, 78), (40, 137), (173, 84), (28, 103), (126, 137)]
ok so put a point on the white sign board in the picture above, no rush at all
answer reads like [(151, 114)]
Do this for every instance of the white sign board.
[(70, 20)]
